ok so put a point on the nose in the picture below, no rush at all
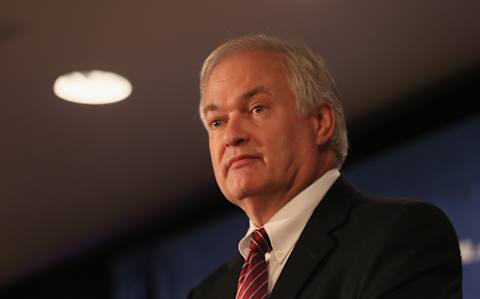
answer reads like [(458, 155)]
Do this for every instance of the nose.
[(235, 134)]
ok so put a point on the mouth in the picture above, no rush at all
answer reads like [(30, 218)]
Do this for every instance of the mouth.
[(240, 161)]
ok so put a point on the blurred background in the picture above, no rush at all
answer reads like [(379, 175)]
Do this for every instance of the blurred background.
[(97, 200)]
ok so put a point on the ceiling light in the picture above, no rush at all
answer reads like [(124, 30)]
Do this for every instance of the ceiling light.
[(92, 87)]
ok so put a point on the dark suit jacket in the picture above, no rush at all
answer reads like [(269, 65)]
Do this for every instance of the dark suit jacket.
[(356, 246)]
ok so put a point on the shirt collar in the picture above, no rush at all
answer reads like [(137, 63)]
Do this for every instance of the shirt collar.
[(285, 226)]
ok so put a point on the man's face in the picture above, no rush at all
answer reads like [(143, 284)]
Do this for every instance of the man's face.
[(260, 145)]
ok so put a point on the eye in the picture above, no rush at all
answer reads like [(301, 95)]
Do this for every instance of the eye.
[(216, 123), (258, 109)]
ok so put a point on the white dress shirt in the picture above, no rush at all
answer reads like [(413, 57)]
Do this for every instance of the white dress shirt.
[(285, 226)]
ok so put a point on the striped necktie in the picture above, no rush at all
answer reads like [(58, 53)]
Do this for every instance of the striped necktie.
[(253, 281)]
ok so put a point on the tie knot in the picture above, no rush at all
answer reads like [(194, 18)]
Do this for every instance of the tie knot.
[(260, 241)]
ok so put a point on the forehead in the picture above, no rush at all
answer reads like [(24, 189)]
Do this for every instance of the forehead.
[(248, 62), (245, 70)]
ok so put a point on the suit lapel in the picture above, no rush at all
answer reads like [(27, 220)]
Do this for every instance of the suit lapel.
[(315, 242)]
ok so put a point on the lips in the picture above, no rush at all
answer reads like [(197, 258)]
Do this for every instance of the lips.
[(241, 160)]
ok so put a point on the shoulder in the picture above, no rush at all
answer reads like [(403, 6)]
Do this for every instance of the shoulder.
[(346, 208), (400, 217), (396, 210), (398, 246), (405, 242)]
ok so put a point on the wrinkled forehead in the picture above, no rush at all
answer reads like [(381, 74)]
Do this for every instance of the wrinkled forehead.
[(211, 64), (253, 67)]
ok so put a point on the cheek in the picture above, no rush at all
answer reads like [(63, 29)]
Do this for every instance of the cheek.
[(213, 152), (287, 145), (278, 149), (215, 155)]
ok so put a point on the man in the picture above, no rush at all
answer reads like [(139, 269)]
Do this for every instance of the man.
[(277, 139)]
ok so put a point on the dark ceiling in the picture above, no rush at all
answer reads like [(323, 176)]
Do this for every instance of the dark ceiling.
[(74, 175)]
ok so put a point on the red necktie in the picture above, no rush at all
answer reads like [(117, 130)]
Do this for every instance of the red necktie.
[(253, 281)]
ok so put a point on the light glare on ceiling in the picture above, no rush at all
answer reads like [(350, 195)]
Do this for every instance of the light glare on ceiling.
[(92, 87)]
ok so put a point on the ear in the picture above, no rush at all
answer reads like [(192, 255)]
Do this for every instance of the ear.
[(325, 123)]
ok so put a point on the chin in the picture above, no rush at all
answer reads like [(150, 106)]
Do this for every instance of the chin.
[(238, 195), (239, 186), (238, 192)]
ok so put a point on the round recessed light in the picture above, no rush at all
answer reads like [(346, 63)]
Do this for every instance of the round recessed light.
[(92, 87)]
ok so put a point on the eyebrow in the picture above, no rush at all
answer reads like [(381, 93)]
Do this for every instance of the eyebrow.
[(247, 95)]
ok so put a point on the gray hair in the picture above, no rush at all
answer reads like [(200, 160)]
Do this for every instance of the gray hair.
[(308, 77)]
